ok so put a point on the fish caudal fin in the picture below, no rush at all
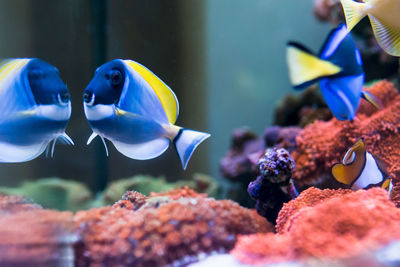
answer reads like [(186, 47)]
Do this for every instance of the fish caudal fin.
[(387, 36), (353, 11), (186, 142), (305, 68)]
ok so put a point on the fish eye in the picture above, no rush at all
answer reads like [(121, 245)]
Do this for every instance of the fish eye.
[(116, 78), (63, 98)]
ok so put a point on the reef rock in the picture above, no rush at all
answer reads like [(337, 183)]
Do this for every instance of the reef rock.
[(321, 144), (273, 186), (326, 225), (162, 229)]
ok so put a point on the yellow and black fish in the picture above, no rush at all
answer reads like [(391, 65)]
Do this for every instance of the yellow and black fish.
[(361, 170)]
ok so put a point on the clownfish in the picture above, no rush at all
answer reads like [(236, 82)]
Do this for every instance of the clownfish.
[(130, 106), (384, 17), (338, 68), (35, 108), (361, 170)]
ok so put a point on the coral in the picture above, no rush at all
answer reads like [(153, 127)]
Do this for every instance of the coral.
[(273, 186), (335, 226), (31, 236), (308, 198), (321, 144), (146, 184), (54, 193), (161, 229), (282, 137)]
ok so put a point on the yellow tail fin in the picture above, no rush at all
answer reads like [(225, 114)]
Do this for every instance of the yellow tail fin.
[(353, 12), (388, 36), (304, 67)]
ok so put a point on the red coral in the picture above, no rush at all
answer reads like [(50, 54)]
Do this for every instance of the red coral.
[(321, 144), (185, 224), (335, 225)]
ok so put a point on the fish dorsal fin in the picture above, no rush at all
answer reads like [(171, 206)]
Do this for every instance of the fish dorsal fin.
[(306, 68), (166, 96), (387, 36), (354, 162), (354, 12)]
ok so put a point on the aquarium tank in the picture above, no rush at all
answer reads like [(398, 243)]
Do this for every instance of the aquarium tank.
[(199, 133)]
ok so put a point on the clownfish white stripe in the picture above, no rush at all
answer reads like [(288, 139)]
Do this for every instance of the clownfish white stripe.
[(370, 175)]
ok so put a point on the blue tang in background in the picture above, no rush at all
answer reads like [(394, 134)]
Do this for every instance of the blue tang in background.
[(130, 106), (338, 68), (35, 108)]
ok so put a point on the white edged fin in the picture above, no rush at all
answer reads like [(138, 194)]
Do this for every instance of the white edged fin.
[(143, 151), (353, 12), (14, 153), (186, 142), (66, 139), (91, 137), (387, 36)]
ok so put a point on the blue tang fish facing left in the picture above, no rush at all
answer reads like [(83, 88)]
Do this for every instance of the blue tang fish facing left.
[(134, 109), (338, 68), (35, 108)]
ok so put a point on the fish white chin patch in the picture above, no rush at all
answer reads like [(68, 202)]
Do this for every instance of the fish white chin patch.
[(55, 112), (99, 112)]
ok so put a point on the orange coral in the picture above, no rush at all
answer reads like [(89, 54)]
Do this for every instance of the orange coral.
[(169, 227), (336, 225), (321, 144)]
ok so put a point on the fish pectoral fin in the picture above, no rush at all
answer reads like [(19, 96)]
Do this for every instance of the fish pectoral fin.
[(353, 11), (306, 68), (91, 137), (64, 138), (341, 175), (370, 98), (387, 36)]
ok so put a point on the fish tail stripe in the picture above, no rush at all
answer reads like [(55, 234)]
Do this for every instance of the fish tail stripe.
[(186, 141), (387, 36), (305, 67), (166, 96), (353, 12)]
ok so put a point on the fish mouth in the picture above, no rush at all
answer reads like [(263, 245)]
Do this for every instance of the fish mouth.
[(89, 98)]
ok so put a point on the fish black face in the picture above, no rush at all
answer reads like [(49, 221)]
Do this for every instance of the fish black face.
[(46, 84), (106, 86)]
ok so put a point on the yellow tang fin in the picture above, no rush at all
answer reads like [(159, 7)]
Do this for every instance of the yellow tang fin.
[(387, 36), (353, 164), (165, 94), (305, 67), (353, 11)]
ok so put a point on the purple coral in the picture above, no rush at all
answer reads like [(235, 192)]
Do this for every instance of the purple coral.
[(273, 186)]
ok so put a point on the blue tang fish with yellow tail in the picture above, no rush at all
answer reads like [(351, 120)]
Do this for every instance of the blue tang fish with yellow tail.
[(361, 170), (130, 106), (384, 17), (35, 108), (338, 68)]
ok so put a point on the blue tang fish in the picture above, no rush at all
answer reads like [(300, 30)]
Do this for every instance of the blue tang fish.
[(338, 68), (35, 108), (130, 106), (361, 170)]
